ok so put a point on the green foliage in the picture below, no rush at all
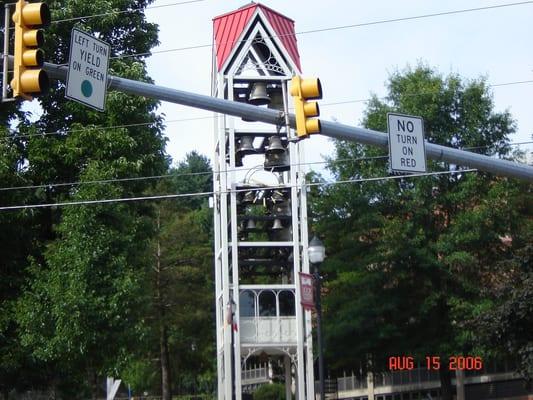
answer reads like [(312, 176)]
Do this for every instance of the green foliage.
[(409, 258), (274, 391), (181, 289), (76, 297)]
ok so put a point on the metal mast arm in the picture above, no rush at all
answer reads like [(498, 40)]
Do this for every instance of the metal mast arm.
[(334, 130)]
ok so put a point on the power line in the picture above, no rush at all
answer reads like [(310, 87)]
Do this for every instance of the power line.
[(438, 14), (139, 178), (168, 176), (100, 128), (420, 93), (116, 12), (125, 11), (199, 194), (63, 132), (333, 28)]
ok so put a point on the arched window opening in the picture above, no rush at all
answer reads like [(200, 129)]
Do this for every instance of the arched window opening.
[(267, 304), (247, 304), (286, 304)]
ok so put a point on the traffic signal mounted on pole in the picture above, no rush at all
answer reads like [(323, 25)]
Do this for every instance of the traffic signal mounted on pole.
[(28, 77), (303, 90)]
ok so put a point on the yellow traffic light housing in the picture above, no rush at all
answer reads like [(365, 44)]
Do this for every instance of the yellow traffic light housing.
[(303, 90), (28, 77)]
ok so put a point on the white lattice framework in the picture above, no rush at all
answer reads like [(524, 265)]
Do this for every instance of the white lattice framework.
[(254, 321)]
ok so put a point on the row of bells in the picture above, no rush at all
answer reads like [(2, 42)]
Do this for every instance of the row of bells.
[(276, 155), (276, 158), (279, 203), (276, 231), (250, 226)]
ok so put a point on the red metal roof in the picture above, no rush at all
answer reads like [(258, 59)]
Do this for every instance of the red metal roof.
[(228, 27)]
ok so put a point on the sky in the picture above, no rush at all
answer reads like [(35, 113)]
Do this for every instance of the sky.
[(352, 63)]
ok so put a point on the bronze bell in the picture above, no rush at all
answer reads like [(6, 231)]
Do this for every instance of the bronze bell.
[(250, 225), (246, 146), (258, 94), (277, 225), (248, 198), (274, 145), (276, 101), (277, 161)]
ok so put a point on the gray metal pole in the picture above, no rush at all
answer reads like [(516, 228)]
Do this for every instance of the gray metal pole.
[(334, 130), (319, 340), (5, 56)]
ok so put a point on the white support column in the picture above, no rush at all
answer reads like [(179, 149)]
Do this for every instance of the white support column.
[(219, 305), (288, 377), (230, 133), (293, 152), (370, 385)]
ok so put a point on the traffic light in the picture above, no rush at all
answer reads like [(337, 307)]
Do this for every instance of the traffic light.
[(303, 90), (28, 77)]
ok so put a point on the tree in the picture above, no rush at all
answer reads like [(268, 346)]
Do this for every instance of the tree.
[(408, 257), (182, 292), (503, 321), (87, 263), (273, 391), (17, 232)]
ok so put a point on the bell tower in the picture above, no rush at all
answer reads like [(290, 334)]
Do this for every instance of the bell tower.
[(260, 211)]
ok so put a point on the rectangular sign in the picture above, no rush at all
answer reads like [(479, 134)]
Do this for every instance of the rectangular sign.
[(407, 151), (87, 70), (307, 291)]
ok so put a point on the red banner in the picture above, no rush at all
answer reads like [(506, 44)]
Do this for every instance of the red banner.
[(307, 291)]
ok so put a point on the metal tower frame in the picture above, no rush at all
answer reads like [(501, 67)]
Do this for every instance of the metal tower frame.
[(259, 58)]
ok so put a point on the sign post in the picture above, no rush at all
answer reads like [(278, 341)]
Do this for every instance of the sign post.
[(407, 151), (87, 70)]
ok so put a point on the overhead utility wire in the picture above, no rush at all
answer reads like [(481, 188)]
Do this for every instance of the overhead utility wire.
[(167, 176), (419, 94), (333, 28), (140, 178), (115, 12), (125, 11), (100, 128), (174, 196)]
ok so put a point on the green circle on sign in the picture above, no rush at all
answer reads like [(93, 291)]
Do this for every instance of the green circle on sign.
[(86, 88)]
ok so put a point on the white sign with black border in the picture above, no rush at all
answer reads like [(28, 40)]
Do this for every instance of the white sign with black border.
[(87, 70), (407, 151)]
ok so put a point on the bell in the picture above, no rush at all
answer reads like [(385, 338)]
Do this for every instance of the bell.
[(277, 161), (274, 145), (276, 101), (277, 225), (258, 94), (291, 257), (246, 146), (282, 209), (247, 198), (250, 225)]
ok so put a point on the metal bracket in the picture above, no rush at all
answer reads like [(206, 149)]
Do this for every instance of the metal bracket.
[(5, 56)]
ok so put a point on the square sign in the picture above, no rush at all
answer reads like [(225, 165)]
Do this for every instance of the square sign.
[(307, 291), (87, 70), (407, 151)]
